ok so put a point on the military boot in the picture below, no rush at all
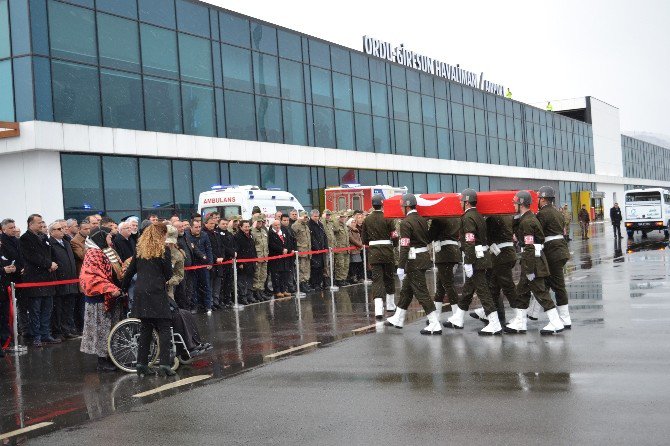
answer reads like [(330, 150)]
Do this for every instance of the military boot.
[(434, 327), (565, 316), (398, 318), (555, 325), (390, 302), (457, 319), (379, 308), (518, 323), (493, 327), (480, 314)]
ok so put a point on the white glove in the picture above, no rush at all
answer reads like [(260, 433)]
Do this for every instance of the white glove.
[(401, 274), (530, 277), (468, 270)]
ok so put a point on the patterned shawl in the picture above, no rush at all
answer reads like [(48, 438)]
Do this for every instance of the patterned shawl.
[(96, 277)]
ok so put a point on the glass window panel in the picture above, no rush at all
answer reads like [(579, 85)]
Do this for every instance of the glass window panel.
[(444, 144), (295, 127), (193, 18), (76, 93), (382, 135), (121, 183), (545, 158), (364, 141), (319, 54), (456, 92), (159, 51), (446, 183), (23, 89), (508, 109), (401, 137), (398, 77), (362, 95), (484, 183), (236, 68), (430, 141), (344, 129), (420, 183), (494, 154), (43, 98), (39, 28), (245, 174), (433, 183), (340, 59), (299, 183), (427, 85), (416, 139), (269, 120), (125, 8), (5, 47), (383, 177), (405, 179), (480, 122), (155, 183), (461, 182), (292, 86), (482, 149), (118, 41), (234, 29), (491, 104), (468, 98), (82, 183), (492, 122), (428, 109), (263, 38), (342, 91), (240, 115), (502, 152), (459, 146), (220, 113), (470, 147), (377, 70), (266, 74), (440, 88), (72, 33), (198, 105), (399, 104), (324, 127), (518, 135), (182, 183), (205, 175), (469, 119), (216, 60), (413, 82), (158, 12), (367, 177), (457, 117), (501, 126), (478, 99), (224, 169), (511, 153), (379, 94), (414, 105), (7, 98), (500, 105), (162, 103), (273, 175), (195, 59), (473, 182), (289, 45), (359, 65), (122, 104), (441, 111), (321, 87)]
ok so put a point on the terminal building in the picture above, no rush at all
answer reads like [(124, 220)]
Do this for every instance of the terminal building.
[(136, 106)]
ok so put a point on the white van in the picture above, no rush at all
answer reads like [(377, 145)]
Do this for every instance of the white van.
[(240, 200), (646, 210)]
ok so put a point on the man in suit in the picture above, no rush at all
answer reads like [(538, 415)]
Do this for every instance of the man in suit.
[(62, 321), (10, 251)]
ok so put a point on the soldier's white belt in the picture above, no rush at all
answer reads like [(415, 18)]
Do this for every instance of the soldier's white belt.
[(480, 250), (379, 242), (496, 247), (538, 249), (437, 245), (553, 237), (414, 251)]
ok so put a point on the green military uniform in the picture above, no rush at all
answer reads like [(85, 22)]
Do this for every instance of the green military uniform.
[(499, 232), (341, 235), (555, 250), (303, 241), (396, 241), (376, 234), (475, 249), (567, 217), (328, 227), (445, 234), (414, 236), (260, 236), (529, 234)]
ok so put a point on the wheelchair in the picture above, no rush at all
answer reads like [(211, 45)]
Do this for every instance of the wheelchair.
[(123, 343)]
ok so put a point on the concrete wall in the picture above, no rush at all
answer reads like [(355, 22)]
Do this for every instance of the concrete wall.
[(610, 190), (606, 138)]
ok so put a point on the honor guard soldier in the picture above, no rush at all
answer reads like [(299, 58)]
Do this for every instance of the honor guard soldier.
[(555, 250), (477, 260), (534, 270), (445, 232), (303, 241), (376, 233), (414, 260)]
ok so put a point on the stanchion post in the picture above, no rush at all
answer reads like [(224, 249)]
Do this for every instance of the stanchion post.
[(237, 306), (332, 269), (298, 293), (17, 349), (366, 281)]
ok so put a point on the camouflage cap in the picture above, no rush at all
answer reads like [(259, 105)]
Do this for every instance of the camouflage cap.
[(259, 217), (328, 212), (236, 217), (303, 213)]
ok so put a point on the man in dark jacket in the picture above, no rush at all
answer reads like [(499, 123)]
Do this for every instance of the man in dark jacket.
[(62, 321), (291, 246), (38, 268), (246, 249), (202, 292), (191, 254), (319, 242), (7, 268), (123, 242), (229, 251), (216, 273), (615, 216), (10, 251)]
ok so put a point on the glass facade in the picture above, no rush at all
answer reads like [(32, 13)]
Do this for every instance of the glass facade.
[(644, 160), (197, 69)]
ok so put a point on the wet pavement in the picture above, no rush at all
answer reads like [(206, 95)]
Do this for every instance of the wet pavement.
[(605, 380)]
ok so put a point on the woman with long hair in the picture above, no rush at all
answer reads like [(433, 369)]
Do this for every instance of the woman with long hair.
[(152, 264)]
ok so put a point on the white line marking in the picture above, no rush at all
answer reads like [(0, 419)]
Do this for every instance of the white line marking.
[(292, 349), (34, 427), (367, 327), (181, 382), (574, 279)]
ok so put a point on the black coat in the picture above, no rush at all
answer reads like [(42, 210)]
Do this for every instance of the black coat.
[(217, 248), (615, 215), (276, 248), (319, 242), (228, 246), (125, 248), (187, 247), (67, 267), (289, 235), (246, 249), (11, 250), (36, 254), (151, 298)]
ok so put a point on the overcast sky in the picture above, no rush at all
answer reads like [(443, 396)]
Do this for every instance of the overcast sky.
[(615, 50)]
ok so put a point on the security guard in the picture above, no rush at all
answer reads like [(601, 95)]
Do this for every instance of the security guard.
[(303, 241), (476, 261), (445, 232), (260, 235), (341, 233), (415, 260), (328, 225), (376, 234), (503, 260), (534, 269)]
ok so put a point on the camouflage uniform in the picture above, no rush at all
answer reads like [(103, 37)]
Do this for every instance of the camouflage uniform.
[(303, 241), (260, 236)]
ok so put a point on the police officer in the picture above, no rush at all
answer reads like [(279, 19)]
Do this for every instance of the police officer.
[(476, 261), (445, 232), (303, 241), (376, 233), (260, 236), (414, 259), (534, 269), (341, 233)]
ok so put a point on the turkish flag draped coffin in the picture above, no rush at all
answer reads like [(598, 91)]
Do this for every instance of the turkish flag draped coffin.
[(449, 205)]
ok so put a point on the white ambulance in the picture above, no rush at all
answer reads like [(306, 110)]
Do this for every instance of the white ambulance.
[(240, 200)]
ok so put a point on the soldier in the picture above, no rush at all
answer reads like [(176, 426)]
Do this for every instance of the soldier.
[(341, 233), (328, 227), (477, 260), (415, 260), (376, 233), (260, 236), (567, 217), (534, 270), (503, 259), (445, 232), (303, 241)]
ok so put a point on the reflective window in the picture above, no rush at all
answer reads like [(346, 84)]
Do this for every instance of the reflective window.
[(456, 92), (205, 175), (72, 33), (324, 127), (494, 157), (120, 183), (266, 74), (340, 60), (377, 70), (198, 106), (413, 82), (427, 85), (399, 104), (469, 119), (273, 175), (23, 89), (7, 98), (344, 129), (289, 45), (43, 99), (182, 183), (234, 30), (264, 38), (342, 91), (159, 51), (440, 88), (398, 78), (359, 65), (428, 109), (444, 144), (299, 183), (76, 93), (430, 141), (319, 54), (295, 127), (321, 87), (156, 183), (195, 59), (480, 122), (467, 96), (361, 95), (158, 12), (269, 120), (20, 24), (482, 149), (5, 48), (236, 68), (414, 106), (126, 8), (420, 183), (459, 146), (193, 18), (379, 95), (292, 86), (162, 103), (122, 105), (461, 182), (416, 139), (39, 28), (502, 152), (382, 135), (118, 42), (220, 113), (401, 137), (405, 179), (441, 113), (457, 120), (433, 183), (240, 115), (82, 185), (364, 141)]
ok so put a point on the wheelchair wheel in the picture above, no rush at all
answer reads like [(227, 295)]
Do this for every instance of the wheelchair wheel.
[(123, 343)]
